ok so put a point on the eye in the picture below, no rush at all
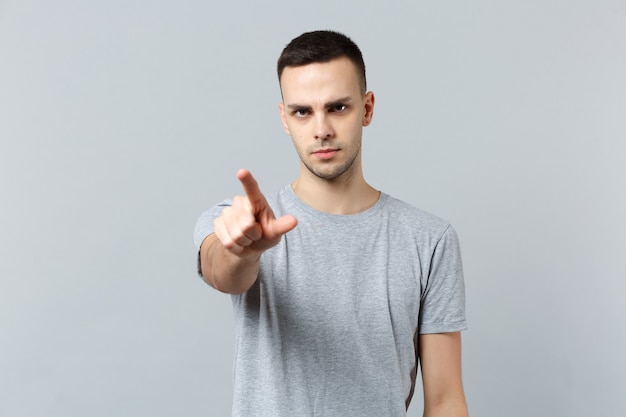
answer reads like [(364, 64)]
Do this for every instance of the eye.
[(338, 108), (301, 112)]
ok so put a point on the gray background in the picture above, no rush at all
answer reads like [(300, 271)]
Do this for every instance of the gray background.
[(120, 121)]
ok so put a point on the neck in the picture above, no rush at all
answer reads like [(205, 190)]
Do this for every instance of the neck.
[(344, 195)]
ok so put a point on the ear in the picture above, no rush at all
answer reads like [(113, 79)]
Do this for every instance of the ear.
[(369, 108), (283, 118)]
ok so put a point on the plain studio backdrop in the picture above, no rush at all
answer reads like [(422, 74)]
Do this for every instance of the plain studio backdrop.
[(120, 121)]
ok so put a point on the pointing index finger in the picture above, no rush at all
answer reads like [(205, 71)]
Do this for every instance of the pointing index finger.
[(250, 186)]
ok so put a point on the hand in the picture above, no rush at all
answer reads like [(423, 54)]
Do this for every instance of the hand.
[(249, 227)]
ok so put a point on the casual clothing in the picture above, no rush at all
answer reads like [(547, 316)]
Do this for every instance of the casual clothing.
[(330, 326)]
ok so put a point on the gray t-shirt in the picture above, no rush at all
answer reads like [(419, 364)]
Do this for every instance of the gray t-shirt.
[(330, 327)]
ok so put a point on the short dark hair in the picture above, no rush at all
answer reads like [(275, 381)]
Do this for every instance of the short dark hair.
[(321, 46)]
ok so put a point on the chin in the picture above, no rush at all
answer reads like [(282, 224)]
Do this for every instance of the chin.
[(332, 174)]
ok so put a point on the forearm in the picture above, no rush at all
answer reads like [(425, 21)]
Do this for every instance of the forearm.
[(453, 408), (226, 271), (440, 356)]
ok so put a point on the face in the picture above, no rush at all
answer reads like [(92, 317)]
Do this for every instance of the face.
[(324, 112)]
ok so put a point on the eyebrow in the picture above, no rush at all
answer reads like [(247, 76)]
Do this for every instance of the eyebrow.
[(327, 105)]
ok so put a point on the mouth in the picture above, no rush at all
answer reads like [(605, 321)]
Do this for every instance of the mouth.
[(326, 153)]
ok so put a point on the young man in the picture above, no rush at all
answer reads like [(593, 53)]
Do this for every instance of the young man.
[(338, 289)]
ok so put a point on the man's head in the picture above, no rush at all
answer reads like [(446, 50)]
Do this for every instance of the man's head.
[(319, 47), (324, 104)]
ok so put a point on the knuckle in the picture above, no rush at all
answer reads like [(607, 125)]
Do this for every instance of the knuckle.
[(228, 242), (218, 226), (242, 203), (239, 201), (226, 214)]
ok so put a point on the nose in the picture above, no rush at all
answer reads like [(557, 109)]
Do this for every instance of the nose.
[(323, 129)]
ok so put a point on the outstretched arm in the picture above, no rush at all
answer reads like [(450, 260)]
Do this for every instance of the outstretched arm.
[(229, 258), (440, 357)]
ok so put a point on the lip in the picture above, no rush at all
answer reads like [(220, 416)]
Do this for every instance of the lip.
[(326, 153)]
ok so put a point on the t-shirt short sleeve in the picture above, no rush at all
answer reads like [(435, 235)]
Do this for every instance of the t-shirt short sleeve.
[(443, 293)]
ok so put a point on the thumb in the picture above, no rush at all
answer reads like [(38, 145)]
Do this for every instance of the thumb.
[(282, 225)]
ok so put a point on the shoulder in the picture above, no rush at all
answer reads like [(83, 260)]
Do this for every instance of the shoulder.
[(424, 229), (411, 216)]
